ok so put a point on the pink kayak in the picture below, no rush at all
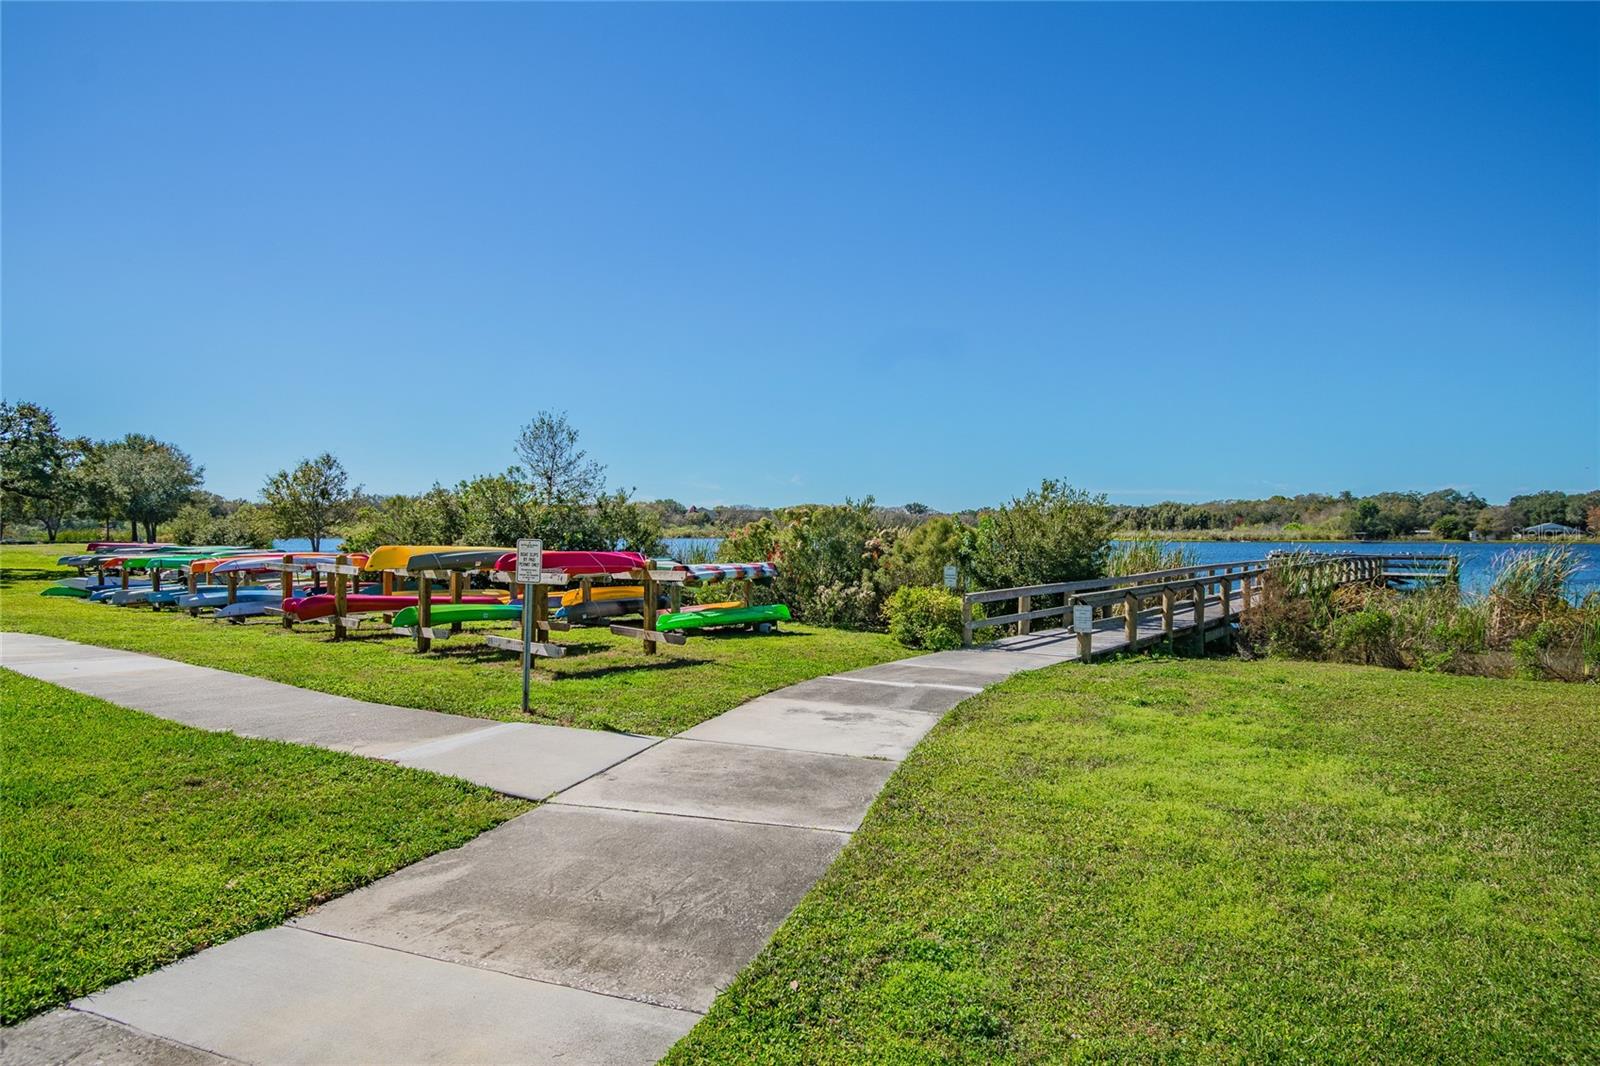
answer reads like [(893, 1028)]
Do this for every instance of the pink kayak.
[(579, 563), (306, 608)]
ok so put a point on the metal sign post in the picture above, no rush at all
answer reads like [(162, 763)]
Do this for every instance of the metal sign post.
[(530, 566)]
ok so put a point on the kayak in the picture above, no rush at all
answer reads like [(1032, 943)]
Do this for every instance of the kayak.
[(458, 559), (322, 605), (216, 596), (765, 614), (399, 556), (66, 590), (102, 595), (446, 613), (268, 563), (578, 563)]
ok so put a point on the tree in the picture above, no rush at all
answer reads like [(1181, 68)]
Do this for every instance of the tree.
[(561, 472), (145, 479), (1449, 527), (916, 508), (309, 500), (1496, 522), (1365, 519), (35, 464)]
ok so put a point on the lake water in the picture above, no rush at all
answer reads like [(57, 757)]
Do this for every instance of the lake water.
[(1477, 559), (301, 544)]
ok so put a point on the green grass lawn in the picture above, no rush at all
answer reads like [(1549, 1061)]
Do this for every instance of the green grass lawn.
[(604, 682), (1207, 860), (128, 841)]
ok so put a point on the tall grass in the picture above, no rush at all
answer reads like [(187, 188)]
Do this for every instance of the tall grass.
[(1142, 555), (1524, 625)]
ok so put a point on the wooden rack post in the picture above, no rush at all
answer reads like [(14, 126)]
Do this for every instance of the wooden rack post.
[(649, 611), (457, 580), (340, 583), (286, 588), (233, 587), (424, 611), (194, 587)]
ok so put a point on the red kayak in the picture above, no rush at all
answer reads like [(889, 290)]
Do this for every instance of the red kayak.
[(579, 563), (306, 608)]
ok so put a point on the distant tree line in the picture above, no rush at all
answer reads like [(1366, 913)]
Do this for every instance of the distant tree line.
[(1448, 514)]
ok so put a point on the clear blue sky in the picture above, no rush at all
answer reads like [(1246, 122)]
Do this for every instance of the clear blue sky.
[(771, 254)]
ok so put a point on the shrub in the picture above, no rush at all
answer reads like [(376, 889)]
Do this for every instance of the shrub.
[(1054, 533), (1365, 636), (925, 617)]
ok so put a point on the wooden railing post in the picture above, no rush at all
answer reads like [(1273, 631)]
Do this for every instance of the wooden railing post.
[(1200, 612), (1227, 594), (1086, 644), (966, 622), (1167, 597), (1130, 621), (1024, 605)]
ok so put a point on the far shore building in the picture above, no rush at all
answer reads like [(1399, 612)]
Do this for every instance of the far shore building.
[(1548, 529)]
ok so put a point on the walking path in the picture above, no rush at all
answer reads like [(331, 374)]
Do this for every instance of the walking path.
[(597, 928)]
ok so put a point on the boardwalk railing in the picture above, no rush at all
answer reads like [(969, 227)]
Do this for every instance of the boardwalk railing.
[(1229, 587)]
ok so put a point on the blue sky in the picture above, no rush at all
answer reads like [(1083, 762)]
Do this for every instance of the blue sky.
[(781, 253)]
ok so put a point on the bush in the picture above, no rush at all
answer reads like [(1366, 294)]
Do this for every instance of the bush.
[(925, 617), (1054, 533), (1366, 636)]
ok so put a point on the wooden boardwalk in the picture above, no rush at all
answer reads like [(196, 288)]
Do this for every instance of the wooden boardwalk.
[(1111, 636), (1103, 616)]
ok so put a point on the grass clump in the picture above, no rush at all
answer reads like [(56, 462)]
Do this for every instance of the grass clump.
[(1206, 860), (129, 841), (1525, 626), (604, 682)]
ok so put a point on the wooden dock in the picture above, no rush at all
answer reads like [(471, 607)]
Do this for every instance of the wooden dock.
[(1105, 616)]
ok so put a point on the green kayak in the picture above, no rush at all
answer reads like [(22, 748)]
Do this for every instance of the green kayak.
[(444, 614), (723, 616), (63, 590)]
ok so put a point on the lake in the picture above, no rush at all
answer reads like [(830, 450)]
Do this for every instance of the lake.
[(1477, 559)]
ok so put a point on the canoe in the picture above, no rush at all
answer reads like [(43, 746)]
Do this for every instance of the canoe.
[(458, 559), (66, 590), (446, 613), (578, 563), (764, 614), (397, 556), (322, 605)]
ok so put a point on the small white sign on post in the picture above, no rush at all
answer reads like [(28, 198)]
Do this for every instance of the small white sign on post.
[(1082, 617), (530, 568), (530, 561), (950, 576)]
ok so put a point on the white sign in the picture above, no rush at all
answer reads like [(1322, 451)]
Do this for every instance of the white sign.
[(1082, 617), (530, 561), (950, 575)]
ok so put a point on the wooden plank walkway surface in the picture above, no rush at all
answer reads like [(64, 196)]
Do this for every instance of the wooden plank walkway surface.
[(1110, 634)]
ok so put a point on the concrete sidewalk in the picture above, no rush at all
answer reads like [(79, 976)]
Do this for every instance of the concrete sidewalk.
[(594, 929)]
